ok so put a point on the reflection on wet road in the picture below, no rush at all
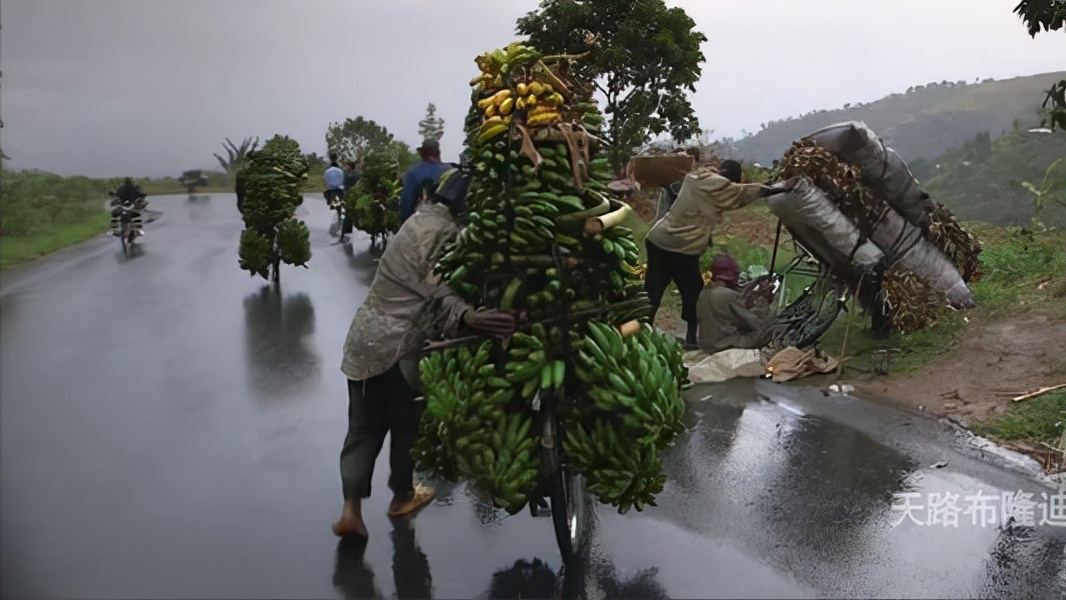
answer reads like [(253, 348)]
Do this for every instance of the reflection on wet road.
[(170, 427)]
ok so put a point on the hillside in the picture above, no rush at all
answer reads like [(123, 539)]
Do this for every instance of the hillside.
[(921, 123), (981, 180)]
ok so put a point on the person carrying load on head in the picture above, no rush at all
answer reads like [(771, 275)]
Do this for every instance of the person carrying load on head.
[(407, 304), (725, 321), (676, 241), (668, 193)]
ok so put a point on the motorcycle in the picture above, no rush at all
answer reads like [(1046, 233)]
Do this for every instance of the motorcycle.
[(127, 221)]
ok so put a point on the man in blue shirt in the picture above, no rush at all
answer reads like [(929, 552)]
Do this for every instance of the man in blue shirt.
[(418, 176), (334, 178)]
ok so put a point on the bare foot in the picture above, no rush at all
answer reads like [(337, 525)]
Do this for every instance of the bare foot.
[(351, 521), (411, 502)]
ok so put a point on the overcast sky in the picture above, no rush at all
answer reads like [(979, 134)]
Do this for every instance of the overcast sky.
[(151, 87)]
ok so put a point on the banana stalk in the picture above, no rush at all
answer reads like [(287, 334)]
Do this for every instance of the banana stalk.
[(629, 328), (597, 225)]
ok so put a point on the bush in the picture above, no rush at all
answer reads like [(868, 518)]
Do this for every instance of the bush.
[(31, 201)]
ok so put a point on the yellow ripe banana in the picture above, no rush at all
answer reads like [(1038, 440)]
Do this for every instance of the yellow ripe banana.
[(520, 103), (531, 99), (544, 118), (496, 120), (538, 88), (555, 99), (507, 106), (485, 102), (490, 110), (522, 89), (540, 109)]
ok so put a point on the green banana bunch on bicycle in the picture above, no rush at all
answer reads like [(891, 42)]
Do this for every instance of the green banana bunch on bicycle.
[(546, 242)]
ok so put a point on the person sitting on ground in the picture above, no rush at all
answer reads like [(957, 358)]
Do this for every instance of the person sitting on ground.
[(407, 304), (724, 319), (676, 241), (415, 180)]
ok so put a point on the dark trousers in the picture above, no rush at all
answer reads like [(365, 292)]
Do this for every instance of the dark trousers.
[(665, 266), (382, 404)]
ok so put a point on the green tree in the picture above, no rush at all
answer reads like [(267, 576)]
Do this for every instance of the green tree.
[(193, 179), (355, 137), (1041, 16), (431, 127), (644, 57), (272, 178), (236, 155), (1052, 189), (314, 161)]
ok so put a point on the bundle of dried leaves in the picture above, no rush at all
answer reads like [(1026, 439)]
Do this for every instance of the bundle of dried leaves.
[(840, 181), (960, 247)]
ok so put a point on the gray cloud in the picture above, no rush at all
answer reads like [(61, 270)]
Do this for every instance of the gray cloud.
[(115, 87)]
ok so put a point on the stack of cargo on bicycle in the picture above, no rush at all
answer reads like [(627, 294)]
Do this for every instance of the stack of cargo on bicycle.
[(584, 393), (860, 212), (373, 204)]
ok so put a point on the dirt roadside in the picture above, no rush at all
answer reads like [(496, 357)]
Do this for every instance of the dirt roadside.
[(996, 360)]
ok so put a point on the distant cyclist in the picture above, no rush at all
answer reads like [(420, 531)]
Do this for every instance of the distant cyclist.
[(334, 178)]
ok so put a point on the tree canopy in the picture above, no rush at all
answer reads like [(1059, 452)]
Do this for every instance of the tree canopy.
[(236, 155), (355, 137), (644, 58), (1041, 16)]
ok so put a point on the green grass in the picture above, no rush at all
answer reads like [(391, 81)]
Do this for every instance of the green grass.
[(1016, 261), (16, 250), (1034, 421), (905, 353)]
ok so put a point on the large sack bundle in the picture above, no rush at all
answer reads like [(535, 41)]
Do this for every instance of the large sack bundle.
[(883, 169), (907, 250), (814, 220)]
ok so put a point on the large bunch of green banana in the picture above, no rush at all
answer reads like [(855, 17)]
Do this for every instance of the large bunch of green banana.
[(531, 248), (473, 430), (273, 177), (634, 387), (374, 202)]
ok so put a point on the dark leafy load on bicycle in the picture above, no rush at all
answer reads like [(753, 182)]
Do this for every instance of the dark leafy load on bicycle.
[(861, 213), (373, 204), (545, 241), (272, 179)]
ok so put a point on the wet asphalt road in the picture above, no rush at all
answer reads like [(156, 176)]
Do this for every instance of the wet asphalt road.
[(169, 427)]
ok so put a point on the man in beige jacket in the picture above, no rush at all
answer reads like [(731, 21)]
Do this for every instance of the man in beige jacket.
[(406, 305), (676, 241)]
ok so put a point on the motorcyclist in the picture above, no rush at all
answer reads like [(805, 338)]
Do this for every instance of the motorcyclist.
[(128, 196)]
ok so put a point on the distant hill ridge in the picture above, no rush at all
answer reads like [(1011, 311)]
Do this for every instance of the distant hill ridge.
[(921, 123)]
